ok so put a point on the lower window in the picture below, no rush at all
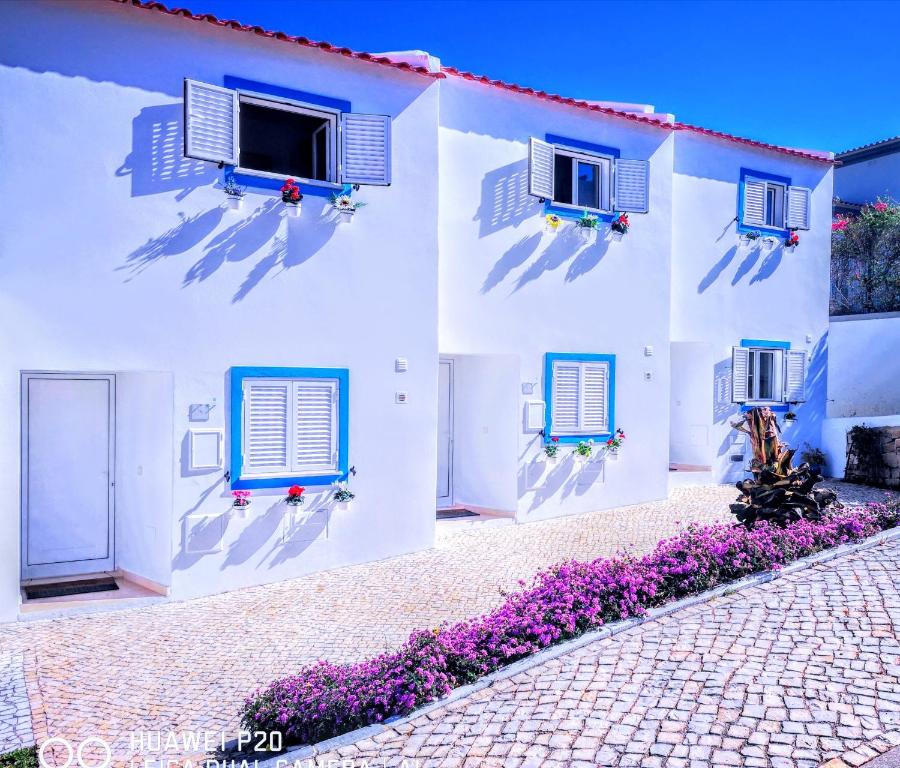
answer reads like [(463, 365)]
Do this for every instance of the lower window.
[(288, 425), (579, 395)]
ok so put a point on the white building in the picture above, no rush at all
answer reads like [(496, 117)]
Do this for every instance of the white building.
[(165, 349), (864, 174)]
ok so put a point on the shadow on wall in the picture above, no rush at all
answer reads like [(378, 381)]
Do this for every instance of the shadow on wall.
[(810, 415), (564, 479), (505, 200), (514, 257), (185, 235), (565, 245), (723, 408), (157, 163), (752, 254)]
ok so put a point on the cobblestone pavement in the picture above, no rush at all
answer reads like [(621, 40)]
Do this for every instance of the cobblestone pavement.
[(188, 666), (15, 713), (784, 675)]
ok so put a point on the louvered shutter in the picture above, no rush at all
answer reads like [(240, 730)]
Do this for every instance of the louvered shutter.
[(267, 429), (315, 414), (631, 186), (797, 214), (595, 398), (210, 122), (754, 213), (365, 149), (740, 374), (794, 376), (566, 398), (540, 168)]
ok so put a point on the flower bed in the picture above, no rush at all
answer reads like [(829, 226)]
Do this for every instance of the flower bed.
[(325, 699)]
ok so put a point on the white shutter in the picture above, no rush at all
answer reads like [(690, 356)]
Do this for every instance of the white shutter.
[(631, 186), (740, 374), (365, 149), (315, 413), (566, 398), (794, 376), (595, 398), (210, 122), (797, 213), (540, 168), (754, 214), (266, 427)]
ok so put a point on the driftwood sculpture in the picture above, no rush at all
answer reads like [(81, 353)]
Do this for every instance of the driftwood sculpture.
[(778, 492)]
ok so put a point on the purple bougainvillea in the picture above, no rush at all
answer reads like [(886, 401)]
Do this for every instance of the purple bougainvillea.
[(325, 699)]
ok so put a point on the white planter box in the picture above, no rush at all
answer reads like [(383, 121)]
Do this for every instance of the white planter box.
[(235, 203), (588, 235), (345, 217), (241, 511), (293, 209), (343, 506)]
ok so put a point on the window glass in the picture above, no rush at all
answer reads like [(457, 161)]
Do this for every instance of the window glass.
[(562, 179), (774, 205), (766, 376), (285, 142), (588, 185)]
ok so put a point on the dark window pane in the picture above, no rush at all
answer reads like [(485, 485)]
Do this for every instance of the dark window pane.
[(562, 179), (766, 376), (287, 143), (588, 185)]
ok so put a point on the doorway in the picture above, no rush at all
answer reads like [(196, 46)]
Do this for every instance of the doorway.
[(445, 434), (68, 460)]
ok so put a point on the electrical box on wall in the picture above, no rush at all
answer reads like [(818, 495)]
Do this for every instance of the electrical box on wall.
[(534, 415), (401, 365), (205, 448)]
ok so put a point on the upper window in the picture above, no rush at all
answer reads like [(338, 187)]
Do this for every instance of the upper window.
[(287, 140), (288, 428), (589, 177), (275, 137), (768, 375), (579, 395), (580, 180), (771, 202)]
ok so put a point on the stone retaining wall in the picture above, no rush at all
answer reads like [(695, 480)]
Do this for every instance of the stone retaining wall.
[(888, 474)]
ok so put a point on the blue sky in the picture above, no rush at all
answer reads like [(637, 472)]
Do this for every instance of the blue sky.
[(814, 74)]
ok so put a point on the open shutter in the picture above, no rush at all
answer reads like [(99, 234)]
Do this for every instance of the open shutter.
[(595, 401), (266, 428), (316, 415), (631, 186), (794, 376), (566, 398), (210, 123), (797, 214), (740, 374), (366, 149), (754, 213), (540, 168)]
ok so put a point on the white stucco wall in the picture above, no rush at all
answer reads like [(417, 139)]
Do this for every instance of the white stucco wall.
[(864, 365), (507, 286), (865, 181), (124, 259), (724, 291)]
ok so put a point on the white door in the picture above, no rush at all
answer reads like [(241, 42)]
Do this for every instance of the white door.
[(68, 428), (445, 434)]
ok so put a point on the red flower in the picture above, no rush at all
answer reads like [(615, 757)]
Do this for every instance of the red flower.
[(295, 193), (295, 490)]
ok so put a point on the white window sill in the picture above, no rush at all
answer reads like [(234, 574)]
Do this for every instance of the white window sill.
[(283, 176)]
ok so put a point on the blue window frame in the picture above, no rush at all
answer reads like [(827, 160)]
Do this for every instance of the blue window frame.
[(763, 346), (286, 389), (589, 167), (775, 200), (589, 402)]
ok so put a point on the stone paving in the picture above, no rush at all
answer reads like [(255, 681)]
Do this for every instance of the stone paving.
[(15, 712), (188, 666), (783, 675)]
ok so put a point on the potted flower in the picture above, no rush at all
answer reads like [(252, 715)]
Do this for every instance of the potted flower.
[(345, 207), (790, 416), (792, 240), (552, 222), (240, 502), (753, 234), (295, 496), (583, 451), (551, 451), (815, 458), (291, 197), (343, 496), (234, 193), (620, 225), (614, 443), (587, 224)]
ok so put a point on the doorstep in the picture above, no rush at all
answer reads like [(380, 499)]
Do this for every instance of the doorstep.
[(134, 591), (681, 475), (483, 517)]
